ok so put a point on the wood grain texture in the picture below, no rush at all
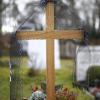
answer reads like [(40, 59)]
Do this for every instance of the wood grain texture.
[(50, 53), (50, 70), (66, 34), (50, 16)]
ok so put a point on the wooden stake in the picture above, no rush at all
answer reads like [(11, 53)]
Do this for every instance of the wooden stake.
[(50, 53), (50, 70)]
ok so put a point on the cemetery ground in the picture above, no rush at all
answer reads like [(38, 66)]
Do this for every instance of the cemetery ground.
[(63, 76)]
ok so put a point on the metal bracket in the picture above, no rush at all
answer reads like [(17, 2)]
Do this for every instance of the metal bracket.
[(86, 37), (45, 2), (50, 1)]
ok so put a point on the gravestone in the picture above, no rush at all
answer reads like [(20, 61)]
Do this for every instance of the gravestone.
[(85, 58), (37, 54), (37, 48)]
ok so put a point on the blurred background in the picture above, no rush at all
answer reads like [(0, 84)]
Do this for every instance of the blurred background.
[(69, 14), (30, 15)]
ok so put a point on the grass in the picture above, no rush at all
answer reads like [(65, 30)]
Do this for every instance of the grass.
[(63, 76), (4, 80)]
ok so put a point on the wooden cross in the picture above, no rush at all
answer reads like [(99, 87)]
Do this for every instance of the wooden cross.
[(50, 34)]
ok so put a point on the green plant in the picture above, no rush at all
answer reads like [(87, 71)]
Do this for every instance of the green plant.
[(32, 72), (93, 74), (62, 76), (65, 94)]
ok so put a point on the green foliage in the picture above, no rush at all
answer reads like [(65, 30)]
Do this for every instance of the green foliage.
[(4, 83), (63, 76), (32, 72), (93, 74), (57, 87)]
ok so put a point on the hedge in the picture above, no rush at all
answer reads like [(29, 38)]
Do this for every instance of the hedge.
[(93, 75)]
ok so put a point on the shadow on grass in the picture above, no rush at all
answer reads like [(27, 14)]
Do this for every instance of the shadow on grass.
[(4, 64)]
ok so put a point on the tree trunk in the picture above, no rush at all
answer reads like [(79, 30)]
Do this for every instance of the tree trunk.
[(99, 21), (0, 16), (98, 6)]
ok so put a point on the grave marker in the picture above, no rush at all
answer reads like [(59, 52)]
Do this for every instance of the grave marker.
[(86, 57), (50, 34)]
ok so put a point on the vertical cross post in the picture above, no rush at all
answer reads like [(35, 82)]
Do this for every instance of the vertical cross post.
[(50, 53)]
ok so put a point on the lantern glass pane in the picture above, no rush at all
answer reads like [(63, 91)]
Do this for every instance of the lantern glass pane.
[(28, 70), (71, 69)]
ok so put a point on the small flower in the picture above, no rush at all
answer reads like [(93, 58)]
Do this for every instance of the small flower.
[(38, 95)]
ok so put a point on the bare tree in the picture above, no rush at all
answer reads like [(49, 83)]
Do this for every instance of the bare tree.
[(98, 8), (3, 6), (0, 15)]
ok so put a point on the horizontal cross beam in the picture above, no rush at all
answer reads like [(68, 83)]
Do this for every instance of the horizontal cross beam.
[(59, 34)]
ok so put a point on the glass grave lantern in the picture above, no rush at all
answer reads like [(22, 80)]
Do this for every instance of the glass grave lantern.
[(23, 80), (27, 57), (67, 76)]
